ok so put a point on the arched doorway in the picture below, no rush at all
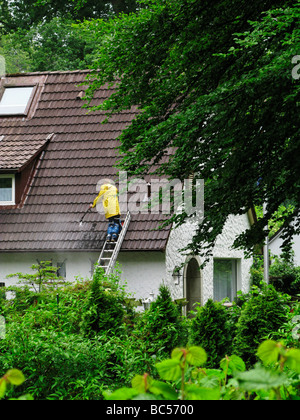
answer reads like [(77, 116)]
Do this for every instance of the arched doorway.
[(192, 284)]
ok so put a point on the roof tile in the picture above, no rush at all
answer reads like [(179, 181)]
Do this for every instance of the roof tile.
[(82, 152)]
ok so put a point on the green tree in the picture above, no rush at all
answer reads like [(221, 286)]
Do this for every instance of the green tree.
[(23, 14), (210, 329), (104, 308), (45, 275), (285, 276), (213, 81), (17, 59), (162, 326), (40, 35), (263, 314)]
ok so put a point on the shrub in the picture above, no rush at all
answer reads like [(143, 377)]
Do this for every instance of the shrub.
[(105, 306), (162, 326), (183, 377), (63, 366), (262, 314), (285, 276), (60, 309), (211, 330)]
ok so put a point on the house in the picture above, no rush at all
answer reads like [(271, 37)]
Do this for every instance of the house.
[(53, 153), (276, 242)]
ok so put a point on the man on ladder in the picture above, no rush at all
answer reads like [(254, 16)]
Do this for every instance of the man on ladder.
[(109, 194)]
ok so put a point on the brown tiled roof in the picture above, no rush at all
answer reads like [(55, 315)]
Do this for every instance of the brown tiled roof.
[(18, 150), (80, 152)]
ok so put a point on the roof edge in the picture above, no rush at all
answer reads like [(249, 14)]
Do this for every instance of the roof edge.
[(40, 73), (64, 250)]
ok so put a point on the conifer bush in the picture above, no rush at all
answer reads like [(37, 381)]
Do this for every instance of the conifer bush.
[(264, 313), (162, 325), (104, 308), (211, 330)]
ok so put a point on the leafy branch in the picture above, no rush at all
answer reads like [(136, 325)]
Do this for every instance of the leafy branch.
[(186, 379)]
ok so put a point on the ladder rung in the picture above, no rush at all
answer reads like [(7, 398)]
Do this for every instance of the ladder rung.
[(113, 247)]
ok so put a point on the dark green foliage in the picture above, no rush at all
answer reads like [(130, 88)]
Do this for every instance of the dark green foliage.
[(26, 13), (257, 270), (162, 326), (210, 329), (219, 71), (62, 355), (41, 35), (61, 365), (285, 276), (265, 312), (283, 273), (104, 309)]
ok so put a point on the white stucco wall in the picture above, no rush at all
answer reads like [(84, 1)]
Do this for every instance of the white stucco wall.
[(181, 236), (276, 243), (142, 272), (77, 264)]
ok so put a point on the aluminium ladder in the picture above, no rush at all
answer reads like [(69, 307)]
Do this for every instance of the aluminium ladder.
[(110, 250)]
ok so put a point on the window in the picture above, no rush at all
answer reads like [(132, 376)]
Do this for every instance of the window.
[(61, 269), (7, 189), (15, 100), (225, 279)]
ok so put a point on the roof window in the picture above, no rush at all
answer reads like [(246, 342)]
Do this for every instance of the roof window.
[(16, 100), (7, 190)]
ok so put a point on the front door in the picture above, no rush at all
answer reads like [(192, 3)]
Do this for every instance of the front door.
[(193, 284)]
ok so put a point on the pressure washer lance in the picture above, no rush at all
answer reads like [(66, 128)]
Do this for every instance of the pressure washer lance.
[(85, 213)]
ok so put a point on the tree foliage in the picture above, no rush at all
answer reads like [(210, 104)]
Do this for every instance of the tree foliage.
[(40, 35), (213, 83), (262, 314), (211, 330), (162, 324), (22, 14)]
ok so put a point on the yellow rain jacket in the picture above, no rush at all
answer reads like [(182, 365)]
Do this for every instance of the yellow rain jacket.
[(109, 200)]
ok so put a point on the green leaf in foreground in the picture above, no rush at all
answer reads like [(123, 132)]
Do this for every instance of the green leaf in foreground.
[(293, 359), (161, 388), (141, 382), (233, 363), (196, 356), (194, 392), (15, 377), (2, 387), (170, 369), (260, 379), (121, 394), (269, 352)]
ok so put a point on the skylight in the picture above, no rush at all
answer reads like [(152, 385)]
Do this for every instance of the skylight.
[(15, 100)]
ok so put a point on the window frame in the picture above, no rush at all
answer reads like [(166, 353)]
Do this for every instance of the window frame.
[(13, 187), (234, 281), (13, 86), (61, 269)]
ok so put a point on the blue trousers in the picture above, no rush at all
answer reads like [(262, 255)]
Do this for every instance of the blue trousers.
[(114, 227)]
